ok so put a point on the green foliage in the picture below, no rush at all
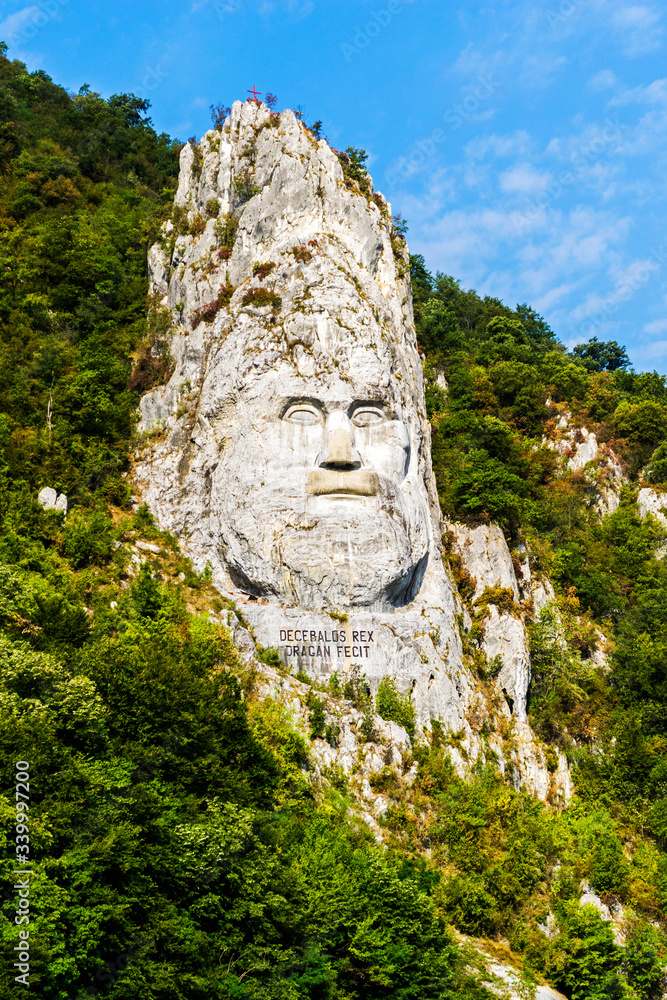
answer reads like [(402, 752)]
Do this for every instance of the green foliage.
[(225, 230), (269, 655), (261, 297), (600, 356), (643, 967), (81, 198), (391, 705), (317, 717), (87, 538), (262, 271), (244, 188), (353, 162), (656, 471), (584, 961)]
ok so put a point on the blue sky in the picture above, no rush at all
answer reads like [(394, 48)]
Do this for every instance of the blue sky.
[(525, 143)]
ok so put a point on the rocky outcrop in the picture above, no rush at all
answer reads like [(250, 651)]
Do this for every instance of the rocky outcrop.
[(582, 453), (652, 502), (290, 450), (486, 556)]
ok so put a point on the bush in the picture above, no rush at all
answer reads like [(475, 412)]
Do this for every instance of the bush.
[(468, 904), (393, 707), (225, 231), (584, 961), (244, 187), (87, 537), (262, 297), (656, 470), (262, 271), (644, 422), (316, 718), (642, 966)]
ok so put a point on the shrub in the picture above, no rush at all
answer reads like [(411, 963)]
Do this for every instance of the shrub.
[(261, 297), (262, 271), (302, 254), (394, 707), (584, 961), (268, 655), (197, 226), (87, 537), (244, 187), (154, 363), (225, 230), (316, 717), (357, 691), (642, 966), (210, 310), (501, 597), (212, 208), (656, 470), (644, 422), (218, 114), (468, 904), (205, 313), (353, 162), (225, 295)]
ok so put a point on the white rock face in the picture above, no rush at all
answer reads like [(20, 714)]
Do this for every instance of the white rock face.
[(290, 449), (505, 636), (51, 500), (651, 502), (486, 556), (581, 451), (301, 472)]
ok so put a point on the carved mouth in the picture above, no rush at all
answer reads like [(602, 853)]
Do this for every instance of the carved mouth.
[(357, 482)]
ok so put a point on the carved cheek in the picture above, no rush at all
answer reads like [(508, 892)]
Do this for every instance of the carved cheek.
[(298, 445), (386, 449)]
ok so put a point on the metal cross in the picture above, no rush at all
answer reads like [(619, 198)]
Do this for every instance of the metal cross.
[(255, 93)]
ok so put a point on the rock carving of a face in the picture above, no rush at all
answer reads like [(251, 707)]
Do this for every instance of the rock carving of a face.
[(316, 496)]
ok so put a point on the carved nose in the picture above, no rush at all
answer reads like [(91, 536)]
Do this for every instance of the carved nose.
[(339, 447)]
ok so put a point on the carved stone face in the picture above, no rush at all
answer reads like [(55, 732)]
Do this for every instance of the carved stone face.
[(317, 497)]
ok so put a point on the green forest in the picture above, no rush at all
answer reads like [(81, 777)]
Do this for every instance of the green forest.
[(181, 849)]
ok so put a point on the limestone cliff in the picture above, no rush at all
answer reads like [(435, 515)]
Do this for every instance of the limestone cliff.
[(290, 450)]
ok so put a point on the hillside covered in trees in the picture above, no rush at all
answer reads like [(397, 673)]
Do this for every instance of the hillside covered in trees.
[(180, 846)]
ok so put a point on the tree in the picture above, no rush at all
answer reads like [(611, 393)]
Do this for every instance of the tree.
[(600, 356)]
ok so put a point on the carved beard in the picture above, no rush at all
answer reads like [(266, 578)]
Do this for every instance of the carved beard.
[(345, 555)]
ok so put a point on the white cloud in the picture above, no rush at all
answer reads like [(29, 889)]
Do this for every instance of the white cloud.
[(22, 25), (523, 179), (655, 93), (657, 326), (639, 28), (650, 353), (602, 80), (512, 144)]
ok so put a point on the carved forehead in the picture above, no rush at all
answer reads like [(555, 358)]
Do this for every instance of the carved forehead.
[(273, 391)]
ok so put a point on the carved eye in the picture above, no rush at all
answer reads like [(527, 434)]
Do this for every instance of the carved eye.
[(302, 413), (367, 416)]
